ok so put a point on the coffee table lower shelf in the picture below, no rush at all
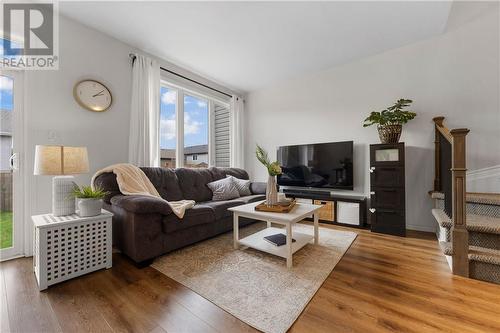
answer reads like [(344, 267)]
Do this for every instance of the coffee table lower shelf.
[(256, 241)]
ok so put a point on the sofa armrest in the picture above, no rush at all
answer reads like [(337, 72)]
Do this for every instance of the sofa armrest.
[(258, 187), (141, 204)]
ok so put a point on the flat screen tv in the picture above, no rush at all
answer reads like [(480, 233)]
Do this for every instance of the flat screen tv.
[(320, 165)]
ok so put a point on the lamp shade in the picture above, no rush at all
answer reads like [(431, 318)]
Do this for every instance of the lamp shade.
[(60, 160)]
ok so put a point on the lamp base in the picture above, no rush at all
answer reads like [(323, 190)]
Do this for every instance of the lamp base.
[(63, 202)]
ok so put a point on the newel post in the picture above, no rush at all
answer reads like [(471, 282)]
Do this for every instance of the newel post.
[(438, 121), (459, 234)]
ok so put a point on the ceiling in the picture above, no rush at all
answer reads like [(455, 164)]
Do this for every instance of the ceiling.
[(249, 45)]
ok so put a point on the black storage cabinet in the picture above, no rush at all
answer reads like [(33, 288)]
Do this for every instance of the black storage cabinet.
[(387, 189)]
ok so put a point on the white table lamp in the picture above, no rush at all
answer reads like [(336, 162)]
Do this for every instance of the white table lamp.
[(61, 162)]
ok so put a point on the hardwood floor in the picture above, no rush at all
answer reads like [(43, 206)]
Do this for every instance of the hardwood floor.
[(382, 284)]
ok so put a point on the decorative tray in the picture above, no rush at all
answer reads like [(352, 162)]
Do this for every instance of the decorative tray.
[(280, 207)]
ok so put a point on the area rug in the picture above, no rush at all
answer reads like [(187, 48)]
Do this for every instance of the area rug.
[(256, 287)]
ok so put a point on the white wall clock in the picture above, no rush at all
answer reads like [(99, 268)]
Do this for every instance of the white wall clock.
[(92, 95)]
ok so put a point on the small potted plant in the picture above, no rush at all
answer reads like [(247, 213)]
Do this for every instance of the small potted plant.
[(89, 201), (273, 169), (389, 121)]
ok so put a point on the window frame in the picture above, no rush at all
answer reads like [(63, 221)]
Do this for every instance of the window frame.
[(181, 91)]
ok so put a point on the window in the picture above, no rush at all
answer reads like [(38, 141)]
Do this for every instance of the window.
[(194, 128), (195, 132), (168, 125), (6, 93)]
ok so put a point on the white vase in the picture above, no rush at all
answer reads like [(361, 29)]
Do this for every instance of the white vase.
[(89, 207), (271, 191)]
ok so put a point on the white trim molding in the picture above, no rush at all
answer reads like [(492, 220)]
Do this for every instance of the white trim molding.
[(426, 228), (486, 180), (19, 167)]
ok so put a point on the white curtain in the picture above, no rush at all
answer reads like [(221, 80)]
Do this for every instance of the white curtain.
[(237, 151), (145, 114)]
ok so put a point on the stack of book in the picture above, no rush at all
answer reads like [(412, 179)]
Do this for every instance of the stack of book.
[(277, 239)]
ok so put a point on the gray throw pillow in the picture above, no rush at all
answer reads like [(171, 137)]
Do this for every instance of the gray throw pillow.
[(243, 185), (223, 189)]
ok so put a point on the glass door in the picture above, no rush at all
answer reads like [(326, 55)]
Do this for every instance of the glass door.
[(11, 202)]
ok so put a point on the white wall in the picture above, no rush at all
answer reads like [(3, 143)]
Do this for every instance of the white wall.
[(455, 75), (50, 109), (485, 180)]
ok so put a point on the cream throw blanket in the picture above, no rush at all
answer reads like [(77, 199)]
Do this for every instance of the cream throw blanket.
[(133, 181)]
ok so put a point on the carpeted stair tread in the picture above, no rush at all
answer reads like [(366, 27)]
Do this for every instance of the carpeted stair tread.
[(476, 253), (437, 195), (484, 198), (485, 255), (475, 223), (472, 197), (446, 248), (442, 219), (481, 223)]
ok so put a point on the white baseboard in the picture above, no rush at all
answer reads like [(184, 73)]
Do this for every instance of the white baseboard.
[(426, 228), (449, 259), (485, 180)]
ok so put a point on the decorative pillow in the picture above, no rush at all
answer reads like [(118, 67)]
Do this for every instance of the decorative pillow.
[(243, 185), (223, 189)]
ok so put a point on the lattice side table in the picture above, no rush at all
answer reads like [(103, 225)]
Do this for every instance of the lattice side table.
[(65, 247)]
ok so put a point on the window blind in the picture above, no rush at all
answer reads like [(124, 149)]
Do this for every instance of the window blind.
[(221, 137)]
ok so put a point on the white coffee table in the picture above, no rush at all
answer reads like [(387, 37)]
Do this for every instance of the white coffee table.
[(256, 240)]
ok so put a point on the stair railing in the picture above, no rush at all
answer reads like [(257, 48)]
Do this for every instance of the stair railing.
[(450, 172)]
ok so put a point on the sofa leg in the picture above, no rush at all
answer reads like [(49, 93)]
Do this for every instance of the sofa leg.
[(144, 263)]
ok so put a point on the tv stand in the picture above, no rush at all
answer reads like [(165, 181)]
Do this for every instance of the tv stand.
[(338, 209), (305, 192)]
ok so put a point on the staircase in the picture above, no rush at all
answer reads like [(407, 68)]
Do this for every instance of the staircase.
[(483, 226), (468, 224)]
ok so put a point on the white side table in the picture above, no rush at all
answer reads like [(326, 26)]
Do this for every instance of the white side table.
[(65, 247)]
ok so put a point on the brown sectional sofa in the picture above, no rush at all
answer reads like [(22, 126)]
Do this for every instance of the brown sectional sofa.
[(145, 227)]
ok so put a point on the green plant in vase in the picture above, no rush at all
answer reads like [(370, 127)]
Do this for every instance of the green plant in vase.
[(389, 121), (86, 192), (89, 200), (273, 169)]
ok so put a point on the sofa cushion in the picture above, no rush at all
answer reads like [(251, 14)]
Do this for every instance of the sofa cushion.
[(220, 207), (199, 214), (258, 187), (193, 183), (165, 181), (141, 204), (219, 173), (223, 189), (107, 181), (252, 198), (242, 185)]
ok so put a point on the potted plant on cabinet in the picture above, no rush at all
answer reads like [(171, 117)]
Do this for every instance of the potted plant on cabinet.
[(273, 169), (389, 121), (89, 201)]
